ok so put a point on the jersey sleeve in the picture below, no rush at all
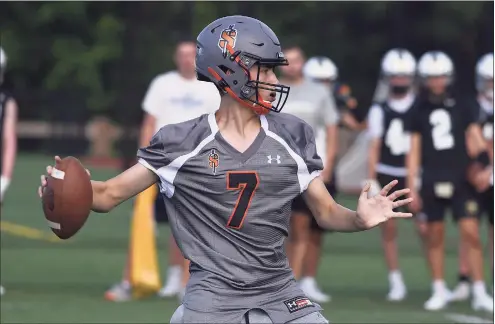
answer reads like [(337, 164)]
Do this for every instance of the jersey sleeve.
[(171, 147), (153, 100), (156, 158), (310, 155), (375, 122), (298, 138)]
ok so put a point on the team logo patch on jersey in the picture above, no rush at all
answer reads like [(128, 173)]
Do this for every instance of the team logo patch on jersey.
[(298, 303), (228, 36), (213, 160), (471, 207)]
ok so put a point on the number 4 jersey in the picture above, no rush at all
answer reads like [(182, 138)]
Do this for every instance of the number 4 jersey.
[(229, 212), (387, 122), (442, 127)]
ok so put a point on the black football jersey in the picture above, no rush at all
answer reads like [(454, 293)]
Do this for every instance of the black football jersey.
[(443, 127), (395, 138)]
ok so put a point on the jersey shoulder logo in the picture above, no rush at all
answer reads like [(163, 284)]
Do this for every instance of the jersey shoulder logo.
[(213, 160), (228, 37)]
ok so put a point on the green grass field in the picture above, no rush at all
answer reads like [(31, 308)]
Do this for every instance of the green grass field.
[(64, 281)]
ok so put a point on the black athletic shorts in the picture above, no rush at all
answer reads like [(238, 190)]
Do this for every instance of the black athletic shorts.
[(299, 205), (485, 200), (463, 203)]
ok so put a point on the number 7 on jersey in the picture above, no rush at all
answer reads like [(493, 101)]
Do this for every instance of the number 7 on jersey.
[(247, 182)]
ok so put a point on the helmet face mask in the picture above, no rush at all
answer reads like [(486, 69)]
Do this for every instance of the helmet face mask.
[(230, 49), (251, 90)]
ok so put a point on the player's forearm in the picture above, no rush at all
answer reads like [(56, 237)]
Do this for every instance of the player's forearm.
[(111, 193), (339, 218), (373, 159), (103, 202), (412, 163), (331, 147), (9, 151), (413, 159), (9, 139)]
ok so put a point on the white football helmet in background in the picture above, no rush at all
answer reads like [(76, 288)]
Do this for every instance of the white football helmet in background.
[(435, 64), (3, 64), (3, 59), (398, 61), (484, 76), (320, 68)]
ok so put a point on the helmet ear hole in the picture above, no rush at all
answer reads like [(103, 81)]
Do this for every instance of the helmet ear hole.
[(226, 70)]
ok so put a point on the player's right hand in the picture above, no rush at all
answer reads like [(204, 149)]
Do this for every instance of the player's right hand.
[(416, 205), (49, 170)]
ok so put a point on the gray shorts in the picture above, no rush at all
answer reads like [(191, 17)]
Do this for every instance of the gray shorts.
[(257, 316)]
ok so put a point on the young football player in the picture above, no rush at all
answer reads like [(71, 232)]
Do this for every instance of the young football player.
[(389, 145), (228, 180), (439, 128)]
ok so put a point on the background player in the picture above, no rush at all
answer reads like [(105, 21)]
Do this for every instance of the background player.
[(231, 219), (172, 97), (388, 147), (313, 103), (8, 124), (438, 147), (484, 99)]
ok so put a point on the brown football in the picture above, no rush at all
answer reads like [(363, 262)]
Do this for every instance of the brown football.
[(67, 198)]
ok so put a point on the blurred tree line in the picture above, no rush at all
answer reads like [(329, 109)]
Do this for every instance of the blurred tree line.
[(72, 60)]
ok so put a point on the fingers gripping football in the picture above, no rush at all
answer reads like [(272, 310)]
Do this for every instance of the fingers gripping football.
[(67, 196)]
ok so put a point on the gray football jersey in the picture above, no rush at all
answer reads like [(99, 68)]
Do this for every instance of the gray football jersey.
[(229, 212)]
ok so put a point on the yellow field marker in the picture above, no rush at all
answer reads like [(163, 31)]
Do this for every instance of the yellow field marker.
[(28, 232)]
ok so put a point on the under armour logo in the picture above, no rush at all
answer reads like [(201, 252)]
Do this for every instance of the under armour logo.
[(270, 159)]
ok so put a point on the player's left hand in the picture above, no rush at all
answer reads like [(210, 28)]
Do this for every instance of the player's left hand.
[(482, 180), (378, 209)]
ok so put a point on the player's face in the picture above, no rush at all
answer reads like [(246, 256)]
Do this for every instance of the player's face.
[(266, 75), (437, 85), (185, 58), (296, 63), (400, 81), (488, 89)]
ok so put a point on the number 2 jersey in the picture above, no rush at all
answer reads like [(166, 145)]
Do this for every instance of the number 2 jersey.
[(443, 128), (229, 212), (387, 122)]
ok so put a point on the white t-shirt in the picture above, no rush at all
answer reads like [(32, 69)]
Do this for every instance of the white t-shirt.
[(315, 104), (173, 99)]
